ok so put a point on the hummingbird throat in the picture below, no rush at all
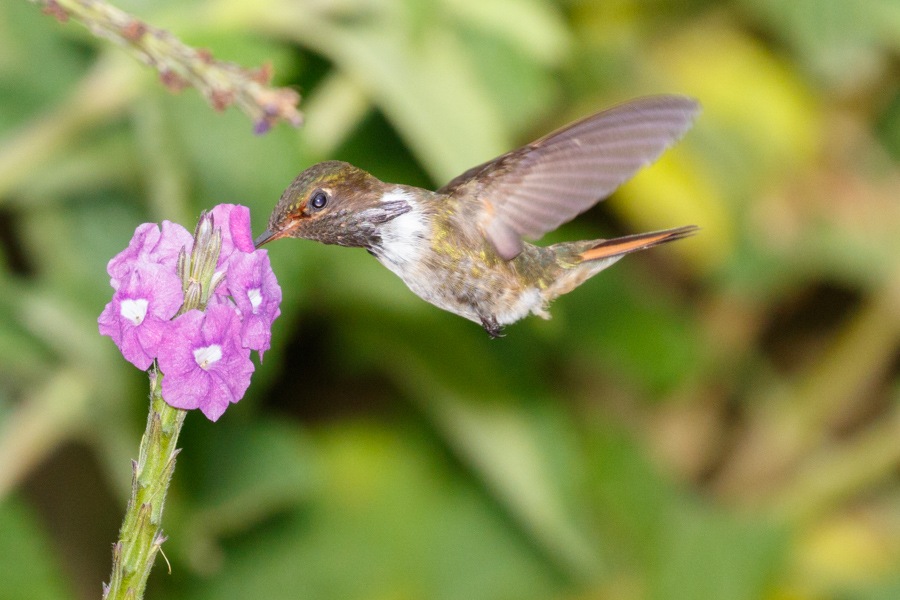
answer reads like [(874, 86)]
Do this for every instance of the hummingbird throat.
[(404, 238)]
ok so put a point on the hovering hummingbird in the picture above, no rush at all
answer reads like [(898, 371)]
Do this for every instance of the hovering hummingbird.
[(460, 248)]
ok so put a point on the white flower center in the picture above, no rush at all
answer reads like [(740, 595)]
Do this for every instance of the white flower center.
[(134, 310), (255, 298), (208, 355)]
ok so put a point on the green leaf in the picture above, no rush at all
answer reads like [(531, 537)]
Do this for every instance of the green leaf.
[(706, 554), (249, 471), (29, 569), (533, 27), (631, 500), (508, 442), (520, 86), (393, 520), (682, 547), (37, 64), (631, 325), (420, 79)]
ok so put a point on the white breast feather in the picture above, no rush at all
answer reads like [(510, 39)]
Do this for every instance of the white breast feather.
[(404, 238)]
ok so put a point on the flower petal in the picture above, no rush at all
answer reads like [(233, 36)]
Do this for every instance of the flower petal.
[(176, 350), (137, 318), (187, 390), (217, 399), (174, 237), (239, 224), (256, 334), (210, 385), (233, 220), (133, 350), (150, 335), (255, 290), (144, 239)]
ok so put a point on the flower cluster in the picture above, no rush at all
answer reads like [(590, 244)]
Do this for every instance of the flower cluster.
[(196, 304)]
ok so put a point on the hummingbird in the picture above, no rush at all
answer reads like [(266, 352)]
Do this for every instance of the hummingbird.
[(461, 247)]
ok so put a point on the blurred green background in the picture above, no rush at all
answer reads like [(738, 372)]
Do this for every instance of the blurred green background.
[(715, 419)]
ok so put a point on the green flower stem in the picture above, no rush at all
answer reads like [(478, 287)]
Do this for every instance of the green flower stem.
[(141, 534)]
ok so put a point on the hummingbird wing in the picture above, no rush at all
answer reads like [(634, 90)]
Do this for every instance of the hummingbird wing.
[(535, 189)]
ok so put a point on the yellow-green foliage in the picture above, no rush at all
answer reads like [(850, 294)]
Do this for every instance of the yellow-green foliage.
[(715, 419)]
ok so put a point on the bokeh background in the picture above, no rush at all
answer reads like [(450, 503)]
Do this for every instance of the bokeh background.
[(713, 419)]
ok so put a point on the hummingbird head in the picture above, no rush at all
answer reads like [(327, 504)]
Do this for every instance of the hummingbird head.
[(332, 202)]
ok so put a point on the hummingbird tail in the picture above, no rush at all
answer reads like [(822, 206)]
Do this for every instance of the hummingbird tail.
[(632, 243)]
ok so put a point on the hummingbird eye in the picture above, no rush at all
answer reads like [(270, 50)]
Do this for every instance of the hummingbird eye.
[(318, 200)]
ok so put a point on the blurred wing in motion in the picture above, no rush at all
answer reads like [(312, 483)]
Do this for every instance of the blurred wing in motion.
[(535, 189)]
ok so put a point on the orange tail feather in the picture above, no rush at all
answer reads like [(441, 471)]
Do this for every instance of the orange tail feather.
[(633, 243)]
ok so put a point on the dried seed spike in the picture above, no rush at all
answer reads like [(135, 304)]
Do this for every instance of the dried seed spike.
[(221, 99), (205, 55), (52, 7), (134, 31), (262, 74), (174, 82), (180, 66)]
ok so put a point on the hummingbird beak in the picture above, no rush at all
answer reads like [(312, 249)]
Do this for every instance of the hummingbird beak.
[(266, 236)]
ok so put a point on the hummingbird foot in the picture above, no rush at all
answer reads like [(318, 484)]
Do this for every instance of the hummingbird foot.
[(492, 327)]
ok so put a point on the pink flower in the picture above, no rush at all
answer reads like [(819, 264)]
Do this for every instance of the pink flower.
[(149, 245), (252, 284), (204, 356), (203, 362), (233, 220), (139, 315)]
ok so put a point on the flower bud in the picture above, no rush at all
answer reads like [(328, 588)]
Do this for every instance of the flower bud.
[(192, 296)]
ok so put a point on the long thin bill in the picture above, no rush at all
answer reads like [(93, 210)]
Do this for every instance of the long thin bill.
[(265, 236)]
